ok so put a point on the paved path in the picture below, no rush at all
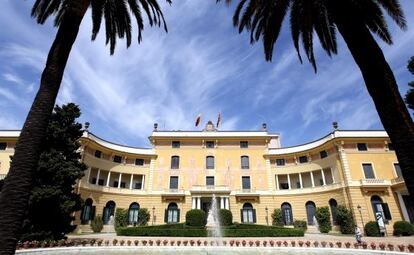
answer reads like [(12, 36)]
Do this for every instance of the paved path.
[(312, 237)]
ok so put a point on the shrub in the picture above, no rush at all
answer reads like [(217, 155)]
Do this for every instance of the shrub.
[(302, 224), (323, 217), (120, 218), (146, 231), (143, 216), (372, 229), (195, 217), (262, 232), (97, 224), (225, 217), (345, 220), (403, 228), (277, 218)]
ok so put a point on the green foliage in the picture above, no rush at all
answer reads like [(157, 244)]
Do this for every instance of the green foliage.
[(143, 216), (262, 232), (345, 220), (277, 218), (403, 228), (301, 224), (53, 199), (323, 216), (195, 217), (97, 224), (409, 97), (121, 216), (225, 217), (372, 229)]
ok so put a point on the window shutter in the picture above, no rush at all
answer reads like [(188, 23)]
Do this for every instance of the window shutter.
[(178, 215), (387, 213), (254, 215), (241, 216), (92, 216), (166, 215)]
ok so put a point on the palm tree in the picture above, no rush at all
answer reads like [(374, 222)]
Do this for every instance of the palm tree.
[(68, 17), (355, 20)]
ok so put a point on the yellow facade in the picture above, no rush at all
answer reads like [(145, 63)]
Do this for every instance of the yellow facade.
[(249, 173)]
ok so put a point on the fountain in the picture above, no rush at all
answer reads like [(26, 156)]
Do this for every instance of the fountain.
[(213, 222)]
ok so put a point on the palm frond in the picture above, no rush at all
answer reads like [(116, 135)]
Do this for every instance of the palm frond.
[(394, 10), (97, 13)]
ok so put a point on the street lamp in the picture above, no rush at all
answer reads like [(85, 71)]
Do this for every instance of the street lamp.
[(267, 215), (153, 215), (362, 219)]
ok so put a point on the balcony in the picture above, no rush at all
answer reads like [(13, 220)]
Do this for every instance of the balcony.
[(169, 195), (397, 181), (309, 190), (375, 183), (247, 195), (106, 189), (210, 189)]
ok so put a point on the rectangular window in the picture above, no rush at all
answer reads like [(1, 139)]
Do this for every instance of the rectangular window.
[(3, 146), (117, 159), (175, 162), (210, 162), (172, 215), (173, 182), (246, 182), (390, 147), (210, 144), (139, 162), (209, 180), (175, 144), (362, 146), (368, 171), (280, 162), (303, 159), (245, 162), (398, 169), (323, 154), (244, 144), (98, 154)]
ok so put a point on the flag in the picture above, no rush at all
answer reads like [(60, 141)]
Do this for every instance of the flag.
[(198, 120), (218, 120)]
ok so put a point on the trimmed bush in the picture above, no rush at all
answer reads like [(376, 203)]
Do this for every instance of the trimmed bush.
[(372, 229), (323, 216), (153, 231), (97, 224), (301, 224), (345, 220), (277, 218), (262, 232), (143, 216), (225, 217), (120, 218), (196, 218), (403, 228)]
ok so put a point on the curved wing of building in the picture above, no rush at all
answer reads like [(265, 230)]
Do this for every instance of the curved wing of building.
[(249, 172)]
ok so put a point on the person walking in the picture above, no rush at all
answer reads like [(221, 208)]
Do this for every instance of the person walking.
[(358, 235)]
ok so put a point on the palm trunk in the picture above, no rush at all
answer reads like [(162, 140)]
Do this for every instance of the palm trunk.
[(17, 185), (383, 88)]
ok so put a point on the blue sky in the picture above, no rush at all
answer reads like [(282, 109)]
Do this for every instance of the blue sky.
[(201, 66)]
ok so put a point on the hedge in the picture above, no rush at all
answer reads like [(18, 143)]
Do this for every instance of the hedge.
[(225, 217), (195, 217), (262, 232), (277, 218), (146, 231), (345, 220), (143, 216), (121, 216), (372, 229), (97, 224), (323, 216), (300, 224), (403, 228)]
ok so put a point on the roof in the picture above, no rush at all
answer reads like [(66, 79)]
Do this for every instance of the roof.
[(218, 134)]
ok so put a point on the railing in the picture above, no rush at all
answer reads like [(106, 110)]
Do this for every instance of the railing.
[(397, 180), (210, 188), (112, 189), (245, 191), (174, 191), (375, 182), (309, 190)]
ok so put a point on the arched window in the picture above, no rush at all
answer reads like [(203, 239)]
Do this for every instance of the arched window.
[(245, 162), (133, 214), (310, 212), (333, 204), (88, 212), (172, 214), (379, 206), (287, 214), (108, 211), (210, 162), (175, 162), (248, 214)]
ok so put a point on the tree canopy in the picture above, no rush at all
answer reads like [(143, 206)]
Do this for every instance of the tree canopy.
[(409, 97)]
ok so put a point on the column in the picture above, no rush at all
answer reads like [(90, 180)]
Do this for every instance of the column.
[(194, 203), (313, 182), (222, 203), (97, 176), (323, 177), (288, 179), (277, 182), (109, 177), (333, 176), (300, 180), (89, 174), (227, 203), (403, 208), (198, 202), (143, 181), (119, 180), (130, 182)]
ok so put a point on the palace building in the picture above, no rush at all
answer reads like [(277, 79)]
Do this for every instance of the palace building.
[(249, 173)]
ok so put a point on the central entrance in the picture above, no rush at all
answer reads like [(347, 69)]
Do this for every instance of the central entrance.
[(204, 202)]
